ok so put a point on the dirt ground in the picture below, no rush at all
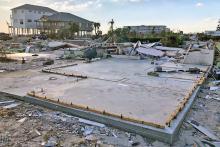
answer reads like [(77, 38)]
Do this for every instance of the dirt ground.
[(28, 126)]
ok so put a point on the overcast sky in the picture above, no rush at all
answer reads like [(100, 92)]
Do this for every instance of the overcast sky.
[(186, 15)]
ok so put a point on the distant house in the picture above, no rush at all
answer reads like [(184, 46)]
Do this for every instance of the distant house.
[(150, 29), (31, 19), (60, 20), (24, 18)]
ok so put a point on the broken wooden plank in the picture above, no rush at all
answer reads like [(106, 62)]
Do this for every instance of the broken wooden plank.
[(11, 106), (6, 102), (202, 129)]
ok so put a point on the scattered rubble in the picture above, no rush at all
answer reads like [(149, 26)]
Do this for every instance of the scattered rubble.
[(36, 125), (5, 37), (155, 74), (48, 62), (203, 130)]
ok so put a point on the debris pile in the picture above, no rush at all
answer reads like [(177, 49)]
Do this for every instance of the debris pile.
[(27, 125), (191, 54), (5, 37)]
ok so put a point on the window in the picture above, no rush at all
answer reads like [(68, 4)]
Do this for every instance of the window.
[(39, 12), (34, 11), (22, 11), (21, 21), (30, 10), (29, 20), (15, 11)]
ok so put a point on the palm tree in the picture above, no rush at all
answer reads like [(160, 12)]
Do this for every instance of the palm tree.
[(96, 27)]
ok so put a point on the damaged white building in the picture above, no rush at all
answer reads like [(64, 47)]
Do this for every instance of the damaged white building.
[(30, 19)]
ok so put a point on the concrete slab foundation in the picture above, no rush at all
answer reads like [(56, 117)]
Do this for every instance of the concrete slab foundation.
[(116, 92), (167, 134)]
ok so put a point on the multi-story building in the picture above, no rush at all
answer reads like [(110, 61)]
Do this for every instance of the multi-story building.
[(24, 18), (214, 33), (142, 29), (31, 19), (57, 21)]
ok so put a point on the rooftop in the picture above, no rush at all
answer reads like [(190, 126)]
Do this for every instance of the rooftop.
[(34, 7), (63, 16)]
